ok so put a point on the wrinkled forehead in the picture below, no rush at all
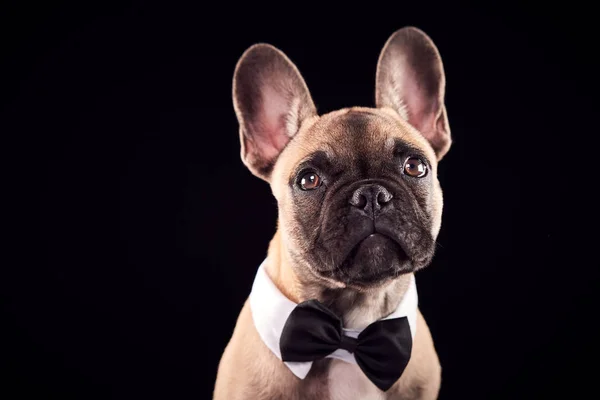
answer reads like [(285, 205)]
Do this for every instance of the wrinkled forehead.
[(352, 134)]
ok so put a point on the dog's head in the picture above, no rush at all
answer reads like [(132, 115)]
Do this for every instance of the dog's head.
[(359, 200)]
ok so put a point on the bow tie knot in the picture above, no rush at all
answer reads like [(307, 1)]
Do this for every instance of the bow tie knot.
[(382, 350), (348, 343)]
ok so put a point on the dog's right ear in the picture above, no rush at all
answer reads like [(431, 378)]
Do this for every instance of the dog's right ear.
[(411, 81), (271, 101)]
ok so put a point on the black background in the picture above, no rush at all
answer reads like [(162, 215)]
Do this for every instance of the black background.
[(137, 230)]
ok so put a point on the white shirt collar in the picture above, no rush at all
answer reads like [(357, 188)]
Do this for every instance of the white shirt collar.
[(271, 309)]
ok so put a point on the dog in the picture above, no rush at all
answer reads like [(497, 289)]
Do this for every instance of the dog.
[(359, 210)]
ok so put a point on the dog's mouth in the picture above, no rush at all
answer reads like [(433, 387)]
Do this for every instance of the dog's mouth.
[(374, 259), (374, 241)]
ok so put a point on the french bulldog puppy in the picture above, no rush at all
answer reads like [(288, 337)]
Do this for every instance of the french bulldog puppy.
[(360, 207)]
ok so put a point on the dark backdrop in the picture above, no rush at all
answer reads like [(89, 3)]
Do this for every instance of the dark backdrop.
[(137, 230)]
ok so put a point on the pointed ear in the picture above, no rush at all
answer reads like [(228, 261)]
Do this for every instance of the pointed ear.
[(271, 102), (410, 79)]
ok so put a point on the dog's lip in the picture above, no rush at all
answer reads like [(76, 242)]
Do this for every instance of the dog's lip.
[(340, 277), (377, 232), (354, 249), (381, 279), (372, 235), (374, 231)]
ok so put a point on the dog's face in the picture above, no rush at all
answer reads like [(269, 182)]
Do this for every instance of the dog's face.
[(359, 200)]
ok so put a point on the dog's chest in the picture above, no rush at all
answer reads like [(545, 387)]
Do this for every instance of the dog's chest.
[(346, 381)]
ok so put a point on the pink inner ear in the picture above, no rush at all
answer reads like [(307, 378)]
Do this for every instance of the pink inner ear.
[(421, 106), (272, 136)]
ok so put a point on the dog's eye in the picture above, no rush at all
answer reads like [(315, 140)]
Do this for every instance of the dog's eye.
[(309, 181), (415, 167)]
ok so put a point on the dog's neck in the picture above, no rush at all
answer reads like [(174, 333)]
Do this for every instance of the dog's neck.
[(356, 308)]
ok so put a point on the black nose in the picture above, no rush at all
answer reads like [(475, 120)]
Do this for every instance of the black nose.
[(370, 197)]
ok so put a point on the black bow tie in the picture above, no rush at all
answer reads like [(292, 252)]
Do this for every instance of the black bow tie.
[(382, 349)]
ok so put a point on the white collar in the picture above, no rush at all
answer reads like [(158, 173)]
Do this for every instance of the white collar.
[(270, 310)]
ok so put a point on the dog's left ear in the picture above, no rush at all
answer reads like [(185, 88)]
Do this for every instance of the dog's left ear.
[(410, 80), (271, 102)]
